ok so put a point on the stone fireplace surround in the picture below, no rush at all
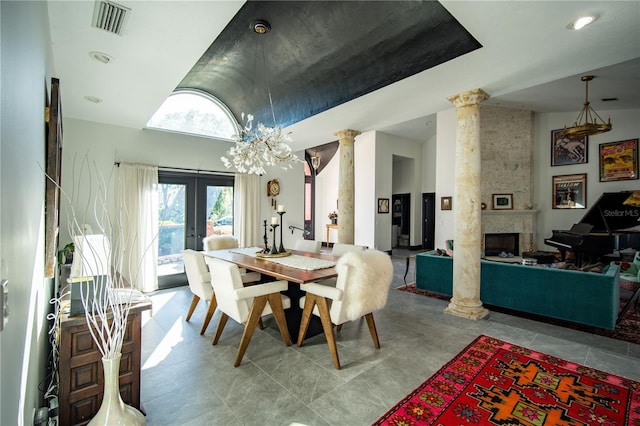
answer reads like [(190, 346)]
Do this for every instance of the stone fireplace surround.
[(518, 222)]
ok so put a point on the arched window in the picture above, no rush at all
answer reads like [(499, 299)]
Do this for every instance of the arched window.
[(197, 113)]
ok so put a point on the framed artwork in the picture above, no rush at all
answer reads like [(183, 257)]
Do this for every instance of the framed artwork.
[(445, 203), (502, 201), (619, 160), (570, 191), (567, 150), (53, 171), (383, 205)]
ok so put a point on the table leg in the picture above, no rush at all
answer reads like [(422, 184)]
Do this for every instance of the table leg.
[(294, 314)]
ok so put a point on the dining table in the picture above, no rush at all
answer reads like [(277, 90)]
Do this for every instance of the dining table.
[(272, 268)]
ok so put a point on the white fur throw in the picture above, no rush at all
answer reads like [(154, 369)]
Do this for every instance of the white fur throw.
[(369, 274)]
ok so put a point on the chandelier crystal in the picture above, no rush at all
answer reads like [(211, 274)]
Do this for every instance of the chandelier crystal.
[(587, 122), (260, 147)]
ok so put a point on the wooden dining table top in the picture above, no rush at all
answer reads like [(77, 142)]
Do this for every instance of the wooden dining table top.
[(267, 267)]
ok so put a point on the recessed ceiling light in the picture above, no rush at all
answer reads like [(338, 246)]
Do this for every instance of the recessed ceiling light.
[(101, 57), (581, 22), (94, 99)]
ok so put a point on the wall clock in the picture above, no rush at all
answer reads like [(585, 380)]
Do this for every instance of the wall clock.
[(273, 188)]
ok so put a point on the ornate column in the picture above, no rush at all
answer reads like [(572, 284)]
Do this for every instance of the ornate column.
[(346, 186), (466, 205)]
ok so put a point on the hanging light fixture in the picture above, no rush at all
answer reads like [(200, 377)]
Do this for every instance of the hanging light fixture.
[(315, 159), (587, 122), (261, 146)]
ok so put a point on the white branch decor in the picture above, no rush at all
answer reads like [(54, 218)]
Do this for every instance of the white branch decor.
[(98, 269), (107, 306), (260, 147)]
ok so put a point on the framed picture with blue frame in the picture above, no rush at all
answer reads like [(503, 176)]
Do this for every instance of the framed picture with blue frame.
[(567, 150)]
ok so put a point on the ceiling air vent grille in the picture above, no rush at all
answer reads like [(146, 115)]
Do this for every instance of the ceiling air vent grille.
[(110, 16)]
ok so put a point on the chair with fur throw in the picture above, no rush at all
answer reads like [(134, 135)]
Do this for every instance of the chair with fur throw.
[(362, 287)]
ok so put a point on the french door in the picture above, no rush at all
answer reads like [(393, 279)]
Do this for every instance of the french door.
[(190, 207)]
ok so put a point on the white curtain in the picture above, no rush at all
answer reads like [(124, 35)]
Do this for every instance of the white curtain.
[(246, 207), (136, 199)]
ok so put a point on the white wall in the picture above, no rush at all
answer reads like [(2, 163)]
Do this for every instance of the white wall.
[(105, 144), (326, 198), (626, 125), (445, 182), (428, 161), (406, 180), (25, 72), (291, 196), (368, 164)]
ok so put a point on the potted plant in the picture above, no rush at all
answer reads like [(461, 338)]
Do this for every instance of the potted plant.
[(333, 216), (65, 255)]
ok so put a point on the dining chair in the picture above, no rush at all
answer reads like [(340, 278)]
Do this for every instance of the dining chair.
[(361, 288), (246, 305), (341, 248), (311, 246), (223, 242), (219, 242), (200, 284)]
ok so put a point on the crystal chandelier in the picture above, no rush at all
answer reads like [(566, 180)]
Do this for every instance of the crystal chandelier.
[(587, 122), (262, 146)]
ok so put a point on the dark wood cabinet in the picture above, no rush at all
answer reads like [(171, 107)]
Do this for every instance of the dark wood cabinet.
[(81, 378)]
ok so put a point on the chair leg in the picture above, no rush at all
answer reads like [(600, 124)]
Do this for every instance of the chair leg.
[(325, 317), (372, 329), (192, 307), (254, 316), (223, 321), (213, 304), (260, 324), (275, 301), (338, 328), (309, 302)]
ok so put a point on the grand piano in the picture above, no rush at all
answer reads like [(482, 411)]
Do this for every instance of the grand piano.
[(612, 223)]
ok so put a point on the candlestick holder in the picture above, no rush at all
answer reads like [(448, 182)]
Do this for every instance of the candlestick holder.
[(266, 239), (274, 249), (281, 249)]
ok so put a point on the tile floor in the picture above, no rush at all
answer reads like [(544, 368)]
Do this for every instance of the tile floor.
[(187, 381)]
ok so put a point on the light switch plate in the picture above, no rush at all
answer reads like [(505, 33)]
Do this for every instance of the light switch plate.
[(4, 306)]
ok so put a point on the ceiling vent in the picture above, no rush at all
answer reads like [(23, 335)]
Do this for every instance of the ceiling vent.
[(110, 16)]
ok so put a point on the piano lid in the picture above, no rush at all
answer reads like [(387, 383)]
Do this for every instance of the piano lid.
[(614, 211)]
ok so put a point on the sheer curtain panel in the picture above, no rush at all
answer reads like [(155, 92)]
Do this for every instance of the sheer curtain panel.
[(246, 207), (137, 189)]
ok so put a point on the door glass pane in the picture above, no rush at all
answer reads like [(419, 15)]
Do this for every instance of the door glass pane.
[(219, 210), (171, 227)]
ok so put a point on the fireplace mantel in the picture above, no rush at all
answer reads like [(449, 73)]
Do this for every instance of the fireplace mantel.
[(522, 222), (510, 212)]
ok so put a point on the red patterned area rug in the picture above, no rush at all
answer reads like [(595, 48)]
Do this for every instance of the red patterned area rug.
[(627, 328), (492, 382)]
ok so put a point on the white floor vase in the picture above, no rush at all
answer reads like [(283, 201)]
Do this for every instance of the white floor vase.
[(113, 410)]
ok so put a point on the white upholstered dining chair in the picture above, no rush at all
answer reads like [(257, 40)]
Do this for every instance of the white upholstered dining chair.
[(246, 305), (311, 246), (361, 288), (223, 242), (341, 248), (200, 284)]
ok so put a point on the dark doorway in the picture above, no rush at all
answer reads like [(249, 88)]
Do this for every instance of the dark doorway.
[(401, 220), (428, 220)]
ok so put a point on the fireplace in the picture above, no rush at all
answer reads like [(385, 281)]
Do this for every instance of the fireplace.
[(494, 244)]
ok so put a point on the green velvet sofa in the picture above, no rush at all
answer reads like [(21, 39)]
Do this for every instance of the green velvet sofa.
[(582, 297)]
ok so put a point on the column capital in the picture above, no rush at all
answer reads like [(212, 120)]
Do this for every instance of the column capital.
[(347, 134), (468, 98)]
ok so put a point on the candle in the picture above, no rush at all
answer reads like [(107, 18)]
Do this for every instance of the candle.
[(274, 220), (280, 208)]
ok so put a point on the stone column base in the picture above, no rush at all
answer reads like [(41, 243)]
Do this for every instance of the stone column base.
[(468, 312)]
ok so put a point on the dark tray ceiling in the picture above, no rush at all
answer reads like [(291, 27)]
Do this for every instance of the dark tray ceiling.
[(320, 54)]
